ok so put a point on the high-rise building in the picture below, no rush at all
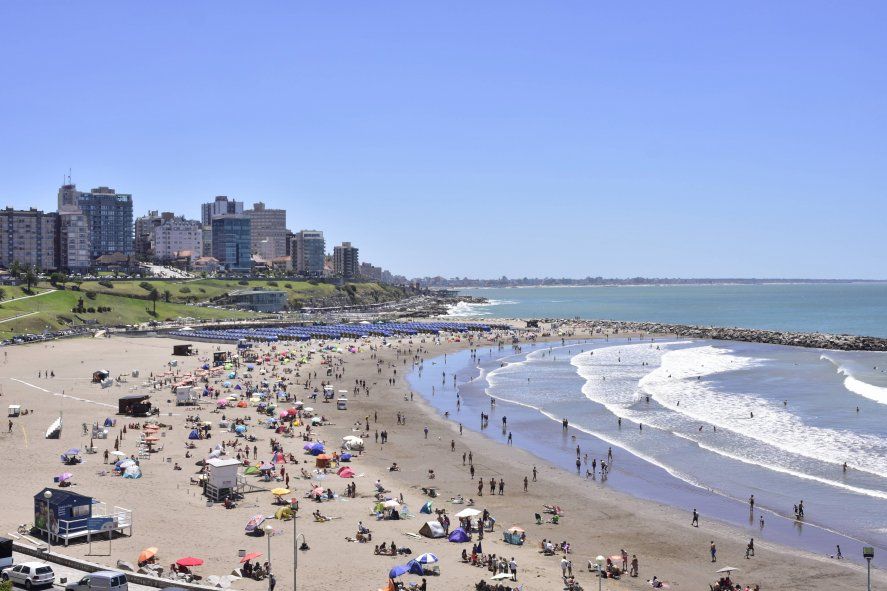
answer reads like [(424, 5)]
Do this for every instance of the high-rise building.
[(309, 252), (268, 231), (221, 206), (144, 228), (232, 242), (28, 238), (370, 272), (110, 219), (345, 261), (175, 236), (207, 232), (73, 250)]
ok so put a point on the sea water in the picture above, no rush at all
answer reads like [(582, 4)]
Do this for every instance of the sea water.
[(704, 425), (851, 308)]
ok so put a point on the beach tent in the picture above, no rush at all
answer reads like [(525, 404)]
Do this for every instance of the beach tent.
[(346, 457), (411, 567), (459, 536), (513, 535), (426, 508), (251, 470), (432, 529), (322, 461), (284, 513), (194, 434), (346, 472)]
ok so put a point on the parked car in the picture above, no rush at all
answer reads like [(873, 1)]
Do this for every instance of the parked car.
[(30, 574), (103, 580)]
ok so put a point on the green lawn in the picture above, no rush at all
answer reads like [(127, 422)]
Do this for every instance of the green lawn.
[(53, 311), (205, 289)]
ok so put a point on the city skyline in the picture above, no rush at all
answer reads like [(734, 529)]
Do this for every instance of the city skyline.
[(569, 140)]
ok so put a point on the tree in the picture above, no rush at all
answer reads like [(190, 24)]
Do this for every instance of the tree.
[(15, 269), (2, 294), (30, 276), (154, 295), (166, 295)]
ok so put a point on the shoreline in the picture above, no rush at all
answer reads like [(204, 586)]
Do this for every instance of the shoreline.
[(639, 476)]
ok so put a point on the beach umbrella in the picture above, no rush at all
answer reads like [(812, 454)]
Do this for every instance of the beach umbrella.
[(280, 491), (124, 464), (118, 453), (189, 561), (250, 556), (391, 504), (221, 402), (726, 569), (427, 558), (240, 429), (152, 439), (254, 522), (467, 512), (65, 476), (147, 554), (500, 576)]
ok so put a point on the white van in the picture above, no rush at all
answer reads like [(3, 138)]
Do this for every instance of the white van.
[(103, 580)]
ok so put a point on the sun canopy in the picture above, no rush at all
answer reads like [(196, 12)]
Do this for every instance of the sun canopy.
[(467, 512)]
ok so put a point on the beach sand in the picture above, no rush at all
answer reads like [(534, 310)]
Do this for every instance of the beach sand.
[(170, 513)]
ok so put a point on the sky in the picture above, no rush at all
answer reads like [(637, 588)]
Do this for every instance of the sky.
[(480, 139)]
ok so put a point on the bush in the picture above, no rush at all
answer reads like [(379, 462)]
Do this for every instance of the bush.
[(91, 310), (243, 282), (201, 290), (5, 585), (146, 286), (272, 283), (288, 285), (106, 283), (185, 289), (75, 288), (90, 295)]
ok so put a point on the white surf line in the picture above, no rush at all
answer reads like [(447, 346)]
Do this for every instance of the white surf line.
[(36, 387)]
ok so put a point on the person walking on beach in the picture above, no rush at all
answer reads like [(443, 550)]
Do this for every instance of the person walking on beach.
[(471, 471), (464, 455), (714, 552), (695, 521), (509, 439), (452, 445), (492, 486), (501, 486), (750, 549), (426, 431), (534, 473), (480, 486), (10, 426), (634, 566), (525, 484)]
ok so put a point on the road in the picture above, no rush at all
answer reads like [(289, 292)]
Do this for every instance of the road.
[(69, 573)]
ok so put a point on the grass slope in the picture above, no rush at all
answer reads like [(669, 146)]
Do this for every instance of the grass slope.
[(53, 311)]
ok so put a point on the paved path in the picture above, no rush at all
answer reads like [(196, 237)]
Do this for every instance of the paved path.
[(36, 295), (20, 315), (73, 574)]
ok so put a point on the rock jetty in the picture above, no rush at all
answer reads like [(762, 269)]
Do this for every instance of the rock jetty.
[(815, 340)]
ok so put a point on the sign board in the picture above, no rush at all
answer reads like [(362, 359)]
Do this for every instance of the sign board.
[(108, 526), (868, 552)]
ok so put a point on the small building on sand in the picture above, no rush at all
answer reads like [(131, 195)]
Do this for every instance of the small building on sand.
[(63, 515)]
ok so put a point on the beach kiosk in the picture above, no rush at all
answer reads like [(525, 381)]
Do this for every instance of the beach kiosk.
[(342, 403), (221, 478), (134, 405), (15, 410), (185, 395), (63, 515), (182, 350), (220, 358), (100, 376)]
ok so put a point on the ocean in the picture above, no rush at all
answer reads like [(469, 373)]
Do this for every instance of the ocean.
[(721, 420), (851, 308)]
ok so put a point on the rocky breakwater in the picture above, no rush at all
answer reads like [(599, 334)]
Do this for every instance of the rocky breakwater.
[(816, 340), (438, 304)]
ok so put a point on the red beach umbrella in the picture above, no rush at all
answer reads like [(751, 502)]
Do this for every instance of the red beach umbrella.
[(189, 561), (250, 556)]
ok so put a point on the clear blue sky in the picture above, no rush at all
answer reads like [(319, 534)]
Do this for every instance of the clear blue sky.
[(475, 138)]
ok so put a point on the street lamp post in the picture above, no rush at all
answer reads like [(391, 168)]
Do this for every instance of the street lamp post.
[(48, 495), (269, 529), (600, 564), (294, 505), (868, 553)]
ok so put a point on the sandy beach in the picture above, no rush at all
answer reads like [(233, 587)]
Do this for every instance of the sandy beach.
[(170, 513)]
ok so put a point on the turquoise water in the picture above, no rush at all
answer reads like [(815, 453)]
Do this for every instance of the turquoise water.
[(847, 308)]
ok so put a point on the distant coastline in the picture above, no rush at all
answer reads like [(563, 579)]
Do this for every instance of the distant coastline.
[(439, 283)]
